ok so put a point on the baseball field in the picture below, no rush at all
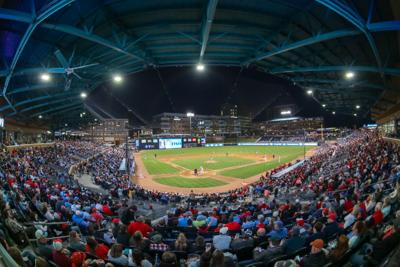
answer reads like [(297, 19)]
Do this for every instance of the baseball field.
[(218, 168)]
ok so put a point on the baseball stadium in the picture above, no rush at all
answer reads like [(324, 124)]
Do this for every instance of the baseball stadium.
[(200, 133)]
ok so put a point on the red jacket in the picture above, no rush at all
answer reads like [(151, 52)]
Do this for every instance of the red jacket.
[(141, 227), (61, 259), (100, 251)]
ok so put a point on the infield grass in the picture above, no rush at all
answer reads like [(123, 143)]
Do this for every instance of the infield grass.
[(212, 163), (189, 182), (155, 166)]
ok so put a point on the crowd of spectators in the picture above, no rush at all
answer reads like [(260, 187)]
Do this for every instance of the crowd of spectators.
[(339, 206)]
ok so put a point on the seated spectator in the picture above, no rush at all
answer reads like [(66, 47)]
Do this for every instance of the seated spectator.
[(199, 245), (141, 226), (317, 256), (123, 236), (99, 250), (279, 230), (181, 243), (331, 227), (15, 253), (340, 249), (168, 259), (222, 241), (357, 234), (157, 244), (317, 233), (75, 241), (43, 249), (139, 260), (246, 241), (274, 249), (351, 217), (61, 256), (386, 207), (115, 256), (260, 237), (295, 242), (139, 242), (377, 216), (78, 259)]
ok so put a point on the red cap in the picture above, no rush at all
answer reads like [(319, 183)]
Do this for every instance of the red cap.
[(115, 220), (332, 216), (300, 221)]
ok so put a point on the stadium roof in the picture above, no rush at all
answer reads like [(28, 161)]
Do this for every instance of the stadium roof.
[(81, 44)]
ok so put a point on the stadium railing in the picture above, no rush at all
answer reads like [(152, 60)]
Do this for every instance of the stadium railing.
[(6, 258)]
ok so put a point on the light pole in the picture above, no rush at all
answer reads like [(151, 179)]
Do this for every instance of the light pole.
[(190, 115)]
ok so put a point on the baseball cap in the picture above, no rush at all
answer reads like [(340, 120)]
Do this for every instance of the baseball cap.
[(274, 236), (57, 244), (332, 216), (39, 234), (317, 243), (223, 230)]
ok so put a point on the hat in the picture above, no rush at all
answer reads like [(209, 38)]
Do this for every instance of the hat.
[(223, 230), (325, 211), (332, 216), (317, 243), (300, 221), (39, 234), (157, 238), (274, 236), (57, 244), (279, 223), (115, 220), (201, 217)]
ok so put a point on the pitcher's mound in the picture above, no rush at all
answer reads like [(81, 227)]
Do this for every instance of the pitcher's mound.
[(211, 161)]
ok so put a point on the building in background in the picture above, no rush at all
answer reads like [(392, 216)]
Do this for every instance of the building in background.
[(229, 110), (179, 123), (108, 130)]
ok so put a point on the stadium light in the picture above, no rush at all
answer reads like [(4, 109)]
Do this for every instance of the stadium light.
[(83, 95), (333, 112), (176, 118), (355, 114), (286, 112), (309, 92), (190, 114), (358, 107), (349, 75), (200, 67), (40, 116), (117, 78), (45, 77), (324, 105)]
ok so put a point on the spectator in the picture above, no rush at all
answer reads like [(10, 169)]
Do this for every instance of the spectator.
[(75, 241), (357, 234), (341, 248), (181, 243), (222, 241), (317, 256), (246, 241), (139, 242), (123, 236), (295, 242), (274, 249), (115, 256), (199, 245), (61, 256), (317, 232), (331, 227), (43, 249), (168, 259), (99, 250), (140, 226), (157, 244)]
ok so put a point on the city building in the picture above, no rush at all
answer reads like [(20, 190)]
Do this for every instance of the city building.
[(108, 130), (179, 123)]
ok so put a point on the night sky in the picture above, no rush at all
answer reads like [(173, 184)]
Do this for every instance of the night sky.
[(183, 89)]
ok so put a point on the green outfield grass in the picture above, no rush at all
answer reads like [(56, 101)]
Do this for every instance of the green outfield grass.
[(189, 182), (249, 171), (277, 150), (220, 162), (155, 166)]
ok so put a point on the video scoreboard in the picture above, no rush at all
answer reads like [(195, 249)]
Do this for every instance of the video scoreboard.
[(168, 143)]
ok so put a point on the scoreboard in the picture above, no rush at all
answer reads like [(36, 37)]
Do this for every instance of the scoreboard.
[(169, 143)]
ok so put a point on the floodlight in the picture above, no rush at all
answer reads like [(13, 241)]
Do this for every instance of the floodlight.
[(309, 92), (117, 78), (200, 67), (349, 75), (324, 105), (286, 112), (358, 106), (40, 116), (355, 114), (190, 114), (333, 112), (83, 95), (45, 77)]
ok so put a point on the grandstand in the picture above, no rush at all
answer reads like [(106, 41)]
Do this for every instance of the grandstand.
[(188, 133)]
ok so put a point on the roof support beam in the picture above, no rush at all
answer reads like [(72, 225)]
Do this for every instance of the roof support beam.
[(206, 26), (388, 71), (56, 108), (53, 8), (308, 41), (354, 18)]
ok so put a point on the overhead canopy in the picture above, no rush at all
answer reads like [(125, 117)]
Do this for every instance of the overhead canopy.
[(313, 43)]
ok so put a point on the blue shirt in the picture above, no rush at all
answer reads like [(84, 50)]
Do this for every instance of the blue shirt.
[(183, 222)]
